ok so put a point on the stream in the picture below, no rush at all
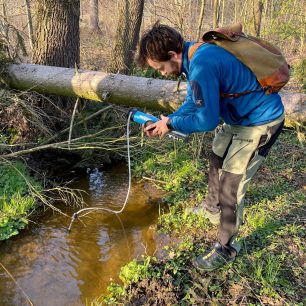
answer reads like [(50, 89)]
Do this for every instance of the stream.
[(56, 268)]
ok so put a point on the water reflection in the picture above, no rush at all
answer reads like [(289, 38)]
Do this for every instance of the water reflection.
[(54, 268)]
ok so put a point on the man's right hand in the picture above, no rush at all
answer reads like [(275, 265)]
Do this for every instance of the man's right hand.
[(159, 128)]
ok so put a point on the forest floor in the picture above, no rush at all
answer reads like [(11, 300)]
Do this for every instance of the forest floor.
[(270, 269)]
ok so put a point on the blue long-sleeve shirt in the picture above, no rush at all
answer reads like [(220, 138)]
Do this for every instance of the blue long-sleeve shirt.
[(213, 70)]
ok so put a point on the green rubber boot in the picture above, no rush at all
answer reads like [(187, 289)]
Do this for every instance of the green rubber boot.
[(213, 259), (217, 257)]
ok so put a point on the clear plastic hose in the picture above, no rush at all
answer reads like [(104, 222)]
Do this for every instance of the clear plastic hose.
[(92, 209)]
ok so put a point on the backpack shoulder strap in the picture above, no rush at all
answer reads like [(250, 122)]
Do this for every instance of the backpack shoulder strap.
[(193, 49), (231, 33)]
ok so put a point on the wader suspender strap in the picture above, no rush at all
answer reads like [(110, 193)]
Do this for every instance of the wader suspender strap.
[(191, 53)]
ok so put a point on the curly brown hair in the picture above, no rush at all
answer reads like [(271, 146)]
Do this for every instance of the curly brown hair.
[(156, 43)]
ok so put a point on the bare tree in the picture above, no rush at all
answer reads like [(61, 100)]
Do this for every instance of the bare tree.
[(12, 38), (180, 14), (258, 6), (237, 8), (57, 42), (127, 36), (302, 33), (222, 12), (216, 14), (58, 35), (4, 28), (94, 16), (30, 23), (201, 19)]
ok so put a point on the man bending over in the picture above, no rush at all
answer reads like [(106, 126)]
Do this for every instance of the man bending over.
[(252, 123)]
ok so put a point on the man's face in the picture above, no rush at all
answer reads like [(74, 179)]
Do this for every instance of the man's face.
[(170, 67)]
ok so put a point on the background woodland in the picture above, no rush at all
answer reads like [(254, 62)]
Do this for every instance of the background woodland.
[(103, 35)]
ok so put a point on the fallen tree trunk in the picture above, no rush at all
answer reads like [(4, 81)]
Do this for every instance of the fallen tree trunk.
[(95, 85), (125, 90)]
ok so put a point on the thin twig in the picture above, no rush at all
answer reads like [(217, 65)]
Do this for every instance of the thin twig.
[(72, 119), (78, 123), (62, 145), (12, 277)]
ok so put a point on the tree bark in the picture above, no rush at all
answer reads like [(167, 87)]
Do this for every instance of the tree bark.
[(58, 36), (127, 36), (94, 16), (124, 90)]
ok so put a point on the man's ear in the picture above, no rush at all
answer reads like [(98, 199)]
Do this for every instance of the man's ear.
[(173, 54)]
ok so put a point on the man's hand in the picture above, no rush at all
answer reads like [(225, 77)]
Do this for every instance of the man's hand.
[(158, 128)]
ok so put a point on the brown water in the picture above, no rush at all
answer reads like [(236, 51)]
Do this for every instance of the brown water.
[(56, 268)]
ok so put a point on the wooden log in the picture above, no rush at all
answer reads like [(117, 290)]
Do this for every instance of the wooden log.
[(153, 94), (295, 105), (94, 85)]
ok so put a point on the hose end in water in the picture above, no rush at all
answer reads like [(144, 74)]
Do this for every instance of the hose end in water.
[(73, 218)]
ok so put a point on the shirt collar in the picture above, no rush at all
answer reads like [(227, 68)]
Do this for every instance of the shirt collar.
[(185, 60)]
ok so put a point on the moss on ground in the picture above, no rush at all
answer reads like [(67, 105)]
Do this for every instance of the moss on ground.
[(269, 269)]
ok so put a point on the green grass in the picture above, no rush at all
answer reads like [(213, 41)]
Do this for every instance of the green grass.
[(269, 269), (16, 200)]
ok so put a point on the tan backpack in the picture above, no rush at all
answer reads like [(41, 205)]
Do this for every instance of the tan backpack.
[(265, 60)]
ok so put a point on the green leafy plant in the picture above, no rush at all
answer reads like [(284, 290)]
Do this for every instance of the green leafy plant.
[(135, 270), (15, 200)]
